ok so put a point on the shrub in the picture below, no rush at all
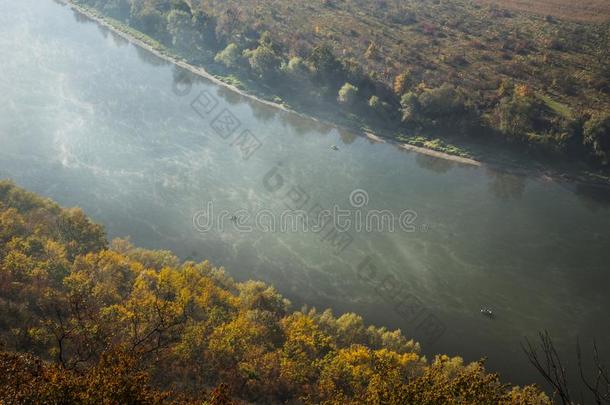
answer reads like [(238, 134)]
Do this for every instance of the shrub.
[(441, 102), (597, 136), (326, 65), (410, 106), (230, 56), (297, 67), (347, 94), (206, 28), (402, 82), (150, 21), (264, 61), (382, 109), (514, 116), (180, 28), (372, 51)]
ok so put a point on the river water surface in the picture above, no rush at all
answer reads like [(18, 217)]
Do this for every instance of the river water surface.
[(92, 121)]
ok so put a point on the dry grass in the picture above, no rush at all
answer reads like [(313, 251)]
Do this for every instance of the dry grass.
[(576, 10)]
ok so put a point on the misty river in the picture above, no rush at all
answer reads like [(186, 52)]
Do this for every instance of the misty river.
[(179, 163)]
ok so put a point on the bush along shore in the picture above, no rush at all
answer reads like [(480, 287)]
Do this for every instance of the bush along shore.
[(500, 91)]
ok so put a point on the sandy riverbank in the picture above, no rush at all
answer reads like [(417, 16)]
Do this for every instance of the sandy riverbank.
[(425, 151)]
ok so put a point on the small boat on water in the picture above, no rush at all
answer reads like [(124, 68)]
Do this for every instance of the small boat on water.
[(334, 147), (488, 313)]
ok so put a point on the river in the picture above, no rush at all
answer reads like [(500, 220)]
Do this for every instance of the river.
[(152, 153)]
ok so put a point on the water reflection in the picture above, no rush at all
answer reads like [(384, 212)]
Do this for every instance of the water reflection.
[(506, 186), (150, 58), (263, 112), (81, 18), (118, 40), (229, 96), (347, 136), (434, 164), (297, 123), (594, 197), (301, 125), (184, 80)]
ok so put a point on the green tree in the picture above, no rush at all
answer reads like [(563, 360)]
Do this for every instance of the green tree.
[(382, 110), (297, 70), (441, 102), (410, 106), (230, 56), (347, 94), (150, 20), (515, 115), (264, 61), (597, 136), (180, 27), (326, 66), (205, 25)]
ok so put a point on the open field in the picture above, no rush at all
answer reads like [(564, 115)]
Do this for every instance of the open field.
[(583, 10)]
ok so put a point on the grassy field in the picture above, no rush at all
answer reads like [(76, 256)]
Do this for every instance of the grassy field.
[(582, 10)]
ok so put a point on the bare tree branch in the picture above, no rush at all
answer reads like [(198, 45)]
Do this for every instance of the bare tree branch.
[(600, 388), (549, 365)]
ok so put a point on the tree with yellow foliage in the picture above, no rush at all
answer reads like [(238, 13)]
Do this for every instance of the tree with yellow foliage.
[(120, 324)]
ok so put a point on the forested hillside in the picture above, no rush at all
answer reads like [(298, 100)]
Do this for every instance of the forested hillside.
[(405, 68), (111, 322)]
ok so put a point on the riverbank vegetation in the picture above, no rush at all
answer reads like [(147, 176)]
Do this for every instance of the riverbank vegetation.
[(457, 67), (87, 320)]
